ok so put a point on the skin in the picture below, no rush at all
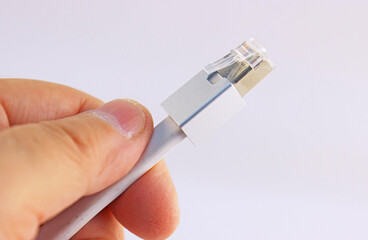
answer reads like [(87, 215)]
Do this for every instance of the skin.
[(52, 152)]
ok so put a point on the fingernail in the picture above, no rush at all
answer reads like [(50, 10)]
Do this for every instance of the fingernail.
[(125, 115)]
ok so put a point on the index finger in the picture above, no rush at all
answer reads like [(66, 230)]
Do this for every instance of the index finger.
[(26, 101)]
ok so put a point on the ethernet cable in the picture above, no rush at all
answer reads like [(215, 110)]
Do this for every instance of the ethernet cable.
[(195, 110)]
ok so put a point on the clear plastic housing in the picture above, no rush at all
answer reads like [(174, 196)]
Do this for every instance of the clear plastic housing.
[(244, 66), (248, 54)]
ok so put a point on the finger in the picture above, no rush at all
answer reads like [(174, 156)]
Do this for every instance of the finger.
[(45, 167), (102, 226), (4, 122), (149, 208), (27, 101)]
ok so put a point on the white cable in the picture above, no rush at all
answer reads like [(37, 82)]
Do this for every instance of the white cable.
[(165, 136), (196, 110)]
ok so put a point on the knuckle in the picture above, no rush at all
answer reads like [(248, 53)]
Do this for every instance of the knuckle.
[(77, 143)]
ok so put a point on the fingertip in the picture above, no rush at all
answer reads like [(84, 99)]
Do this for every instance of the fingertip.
[(102, 226), (125, 116), (149, 208), (148, 117)]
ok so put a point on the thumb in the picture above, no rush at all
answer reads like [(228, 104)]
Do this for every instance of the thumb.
[(47, 166)]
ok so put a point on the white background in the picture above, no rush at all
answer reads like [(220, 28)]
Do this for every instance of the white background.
[(293, 165)]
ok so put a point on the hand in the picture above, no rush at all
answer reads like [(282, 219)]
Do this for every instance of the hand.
[(58, 144)]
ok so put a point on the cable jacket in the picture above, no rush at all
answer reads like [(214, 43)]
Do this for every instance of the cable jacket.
[(165, 136)]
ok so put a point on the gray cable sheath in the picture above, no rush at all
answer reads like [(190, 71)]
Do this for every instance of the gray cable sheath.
[(165, 136)]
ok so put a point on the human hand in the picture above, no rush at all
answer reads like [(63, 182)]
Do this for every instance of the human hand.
[(58, 144)]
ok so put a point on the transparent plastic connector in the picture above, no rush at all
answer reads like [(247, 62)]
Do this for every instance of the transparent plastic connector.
[(244, 66)]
